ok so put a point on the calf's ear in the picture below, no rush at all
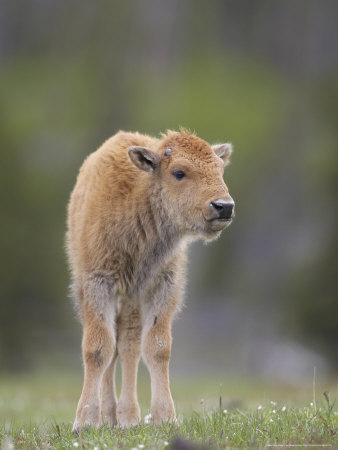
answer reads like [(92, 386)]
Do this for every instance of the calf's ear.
[(143, 158), (223, 151)]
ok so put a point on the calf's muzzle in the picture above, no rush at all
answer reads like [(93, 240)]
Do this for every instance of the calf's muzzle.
[(221, 209)]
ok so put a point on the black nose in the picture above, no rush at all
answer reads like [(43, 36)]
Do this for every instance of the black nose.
[(224, 209)]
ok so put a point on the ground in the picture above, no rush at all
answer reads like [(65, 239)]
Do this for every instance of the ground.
[(36, 411)]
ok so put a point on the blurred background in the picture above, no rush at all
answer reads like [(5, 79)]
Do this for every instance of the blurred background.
[(262, 300)]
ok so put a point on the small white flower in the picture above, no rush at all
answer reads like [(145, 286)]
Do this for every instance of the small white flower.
[(140, 445), (147, 418), (274, 411), (166, 443), (311, 404), (284, 408), (96, 448), (271, 420), (273, 403), (259, 407), (75, 444), (225, 411)]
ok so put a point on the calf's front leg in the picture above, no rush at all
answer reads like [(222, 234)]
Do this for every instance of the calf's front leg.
[(98, 346), (108, 394), (156, 349)]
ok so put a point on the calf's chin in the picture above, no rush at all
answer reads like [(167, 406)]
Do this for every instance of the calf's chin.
[(210, 235)]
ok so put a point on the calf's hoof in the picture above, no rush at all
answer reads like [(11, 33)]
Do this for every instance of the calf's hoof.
[(128, 416), (87, 416), (109, 416), (163, 414)]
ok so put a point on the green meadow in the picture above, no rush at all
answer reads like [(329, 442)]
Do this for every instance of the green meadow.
[(37, 411)]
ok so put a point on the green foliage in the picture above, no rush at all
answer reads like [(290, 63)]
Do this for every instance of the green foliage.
[(227, 70), (222, 98), (312, 293)]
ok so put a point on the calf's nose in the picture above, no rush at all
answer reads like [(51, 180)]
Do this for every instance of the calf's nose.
[(223, 208)]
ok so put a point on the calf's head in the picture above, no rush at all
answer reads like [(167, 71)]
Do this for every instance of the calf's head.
[(189, 175)]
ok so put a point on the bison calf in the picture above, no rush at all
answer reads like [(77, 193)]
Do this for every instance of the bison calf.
[(137, 203)]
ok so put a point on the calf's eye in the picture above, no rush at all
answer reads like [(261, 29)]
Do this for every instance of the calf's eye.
[(179, 174)]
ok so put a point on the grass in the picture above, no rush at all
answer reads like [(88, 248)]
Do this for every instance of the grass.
[(36, 412)]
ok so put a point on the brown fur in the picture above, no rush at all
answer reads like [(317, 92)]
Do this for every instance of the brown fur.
[(129, 222)]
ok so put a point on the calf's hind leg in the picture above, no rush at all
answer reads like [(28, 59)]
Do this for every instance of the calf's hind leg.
[(129, 351), (98, 346)]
